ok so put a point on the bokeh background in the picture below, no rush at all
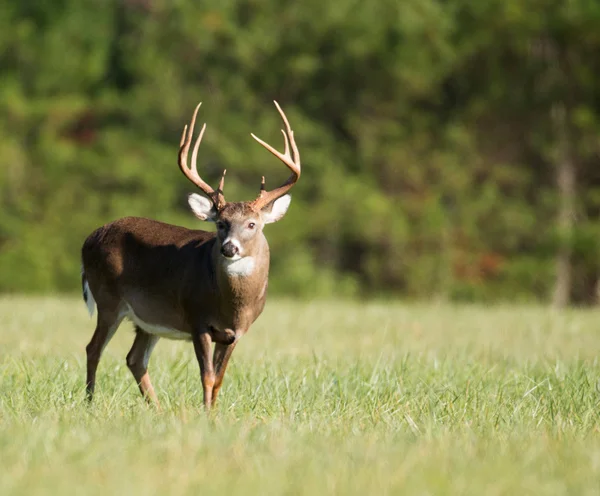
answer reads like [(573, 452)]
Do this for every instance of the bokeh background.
[(450, 149)]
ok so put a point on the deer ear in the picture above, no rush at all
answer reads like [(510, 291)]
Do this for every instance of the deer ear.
[(202, 207), (276, 210)]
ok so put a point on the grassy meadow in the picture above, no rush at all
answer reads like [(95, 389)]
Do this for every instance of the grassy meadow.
[(320, 398)]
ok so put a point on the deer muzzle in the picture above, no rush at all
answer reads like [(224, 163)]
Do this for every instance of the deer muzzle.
[(229, 249)]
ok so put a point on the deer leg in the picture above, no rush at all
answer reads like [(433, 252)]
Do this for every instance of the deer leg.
[(137, 361), (220, 359), (224, 337), (106, 326), (202, 346)]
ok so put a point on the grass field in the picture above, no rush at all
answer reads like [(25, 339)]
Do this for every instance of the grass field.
[(320, 398)]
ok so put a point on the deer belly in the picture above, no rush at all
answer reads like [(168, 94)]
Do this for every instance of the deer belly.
[(157, 329)]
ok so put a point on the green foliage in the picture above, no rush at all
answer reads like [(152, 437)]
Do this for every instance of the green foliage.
[(425, 128)]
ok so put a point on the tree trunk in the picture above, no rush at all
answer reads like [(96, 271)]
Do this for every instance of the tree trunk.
[(565, 182)]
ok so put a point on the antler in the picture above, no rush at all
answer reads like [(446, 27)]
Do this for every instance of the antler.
[(293, 163), (191, 173)]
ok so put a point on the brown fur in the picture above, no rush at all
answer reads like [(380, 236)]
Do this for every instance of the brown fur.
[(175, 277)]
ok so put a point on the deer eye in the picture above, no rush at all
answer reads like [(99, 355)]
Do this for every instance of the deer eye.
[(220, 226), (251, 225)]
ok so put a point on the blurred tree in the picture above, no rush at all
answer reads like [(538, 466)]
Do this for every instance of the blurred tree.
[(449, 148)]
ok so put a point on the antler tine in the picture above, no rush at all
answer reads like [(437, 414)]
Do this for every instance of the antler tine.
[(292, 162), (191, 172), (287, 143), (222, 181), (194, 164), (183, 136), (290, 133)]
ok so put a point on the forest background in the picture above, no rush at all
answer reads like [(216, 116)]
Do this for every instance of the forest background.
[(450, 148)]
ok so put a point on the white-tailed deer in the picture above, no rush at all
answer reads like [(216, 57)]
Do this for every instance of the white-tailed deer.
[(186, 284)]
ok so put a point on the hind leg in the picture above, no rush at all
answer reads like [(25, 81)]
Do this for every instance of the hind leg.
[(137, 361), (107, 325)]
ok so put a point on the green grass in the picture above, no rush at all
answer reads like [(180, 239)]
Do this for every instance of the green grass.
[(320, 398)]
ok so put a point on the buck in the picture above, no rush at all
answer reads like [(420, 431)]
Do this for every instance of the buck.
[(179, 283)]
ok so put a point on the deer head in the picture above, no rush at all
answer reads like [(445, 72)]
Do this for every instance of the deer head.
[(239, 224)]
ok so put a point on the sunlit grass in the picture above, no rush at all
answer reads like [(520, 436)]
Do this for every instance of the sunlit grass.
[(320, 398)]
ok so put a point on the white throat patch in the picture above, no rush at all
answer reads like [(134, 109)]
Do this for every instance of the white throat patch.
[(241, 267)]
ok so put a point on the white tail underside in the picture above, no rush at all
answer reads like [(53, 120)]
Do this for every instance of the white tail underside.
[(88, 297)]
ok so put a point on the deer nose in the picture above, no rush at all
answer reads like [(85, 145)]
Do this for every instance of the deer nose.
[(229, 249)]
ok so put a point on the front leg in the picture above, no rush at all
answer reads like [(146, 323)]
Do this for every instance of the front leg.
[(224, 337), (220, 359), (202, 346)]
